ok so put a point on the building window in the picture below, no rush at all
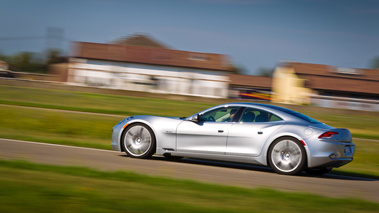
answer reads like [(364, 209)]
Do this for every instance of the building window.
[(198, 57), (346, 71)]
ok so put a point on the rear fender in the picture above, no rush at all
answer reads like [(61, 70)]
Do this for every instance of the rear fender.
[(263, 158)]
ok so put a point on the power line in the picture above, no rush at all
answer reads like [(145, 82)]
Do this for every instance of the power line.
[(30, 38), (22, 38)]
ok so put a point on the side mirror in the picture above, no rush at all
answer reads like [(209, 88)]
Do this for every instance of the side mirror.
[(196, 118)]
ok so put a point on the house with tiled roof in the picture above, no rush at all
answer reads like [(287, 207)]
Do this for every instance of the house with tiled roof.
[(327, 86), (251, 87), (136, 66), (140, 40)]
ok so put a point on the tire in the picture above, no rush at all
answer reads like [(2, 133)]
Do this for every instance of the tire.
[(170, 157), (318, 171), (287, 156), (139, 141)]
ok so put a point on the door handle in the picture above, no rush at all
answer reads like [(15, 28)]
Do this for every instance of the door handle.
[(220, 131), (260, 132)]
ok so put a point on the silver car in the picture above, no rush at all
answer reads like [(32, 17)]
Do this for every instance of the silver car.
[(287, 141)]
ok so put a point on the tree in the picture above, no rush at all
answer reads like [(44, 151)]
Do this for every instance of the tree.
[(53, 56), (237, 69), (33, 62), (3, 57), (375, 63), (265, 72), (27, 62)]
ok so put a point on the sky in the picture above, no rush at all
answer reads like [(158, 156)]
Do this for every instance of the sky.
[(255, 34)]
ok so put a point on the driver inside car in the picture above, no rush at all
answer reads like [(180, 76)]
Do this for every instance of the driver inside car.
[(232, 113)]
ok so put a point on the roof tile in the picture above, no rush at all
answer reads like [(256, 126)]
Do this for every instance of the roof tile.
[(325, 77), (150, 55)]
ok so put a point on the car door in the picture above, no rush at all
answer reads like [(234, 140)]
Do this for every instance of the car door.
[(209, 134), (247, 137)]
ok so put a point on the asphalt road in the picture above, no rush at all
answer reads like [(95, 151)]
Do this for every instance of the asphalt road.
[(205, 171)]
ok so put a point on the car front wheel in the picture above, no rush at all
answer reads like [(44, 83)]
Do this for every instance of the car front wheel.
[(287, 156), (138, 141)]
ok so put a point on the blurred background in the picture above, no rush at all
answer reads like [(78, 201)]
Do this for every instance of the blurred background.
[(71, 70), (322, 53)]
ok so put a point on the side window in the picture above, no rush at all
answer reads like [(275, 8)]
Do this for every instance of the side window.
[(257, 115), (224, 114), (275, 118), (249, 115)]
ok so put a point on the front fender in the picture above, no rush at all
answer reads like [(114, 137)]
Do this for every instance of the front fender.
[(164, 129)]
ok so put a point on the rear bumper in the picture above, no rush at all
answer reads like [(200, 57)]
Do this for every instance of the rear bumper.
[(331, 154), (337, 162)]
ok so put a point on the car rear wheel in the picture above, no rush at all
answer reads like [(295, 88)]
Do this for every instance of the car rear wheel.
[(138, 141), (287, 156)]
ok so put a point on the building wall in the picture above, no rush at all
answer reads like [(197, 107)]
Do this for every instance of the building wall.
[(288, 88), (149, 78), (345, 103), (60, 71)]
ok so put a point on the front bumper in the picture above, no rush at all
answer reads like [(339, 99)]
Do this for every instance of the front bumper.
[(116, 135)]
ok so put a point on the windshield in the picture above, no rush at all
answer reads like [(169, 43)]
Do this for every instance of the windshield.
[(297, 114)]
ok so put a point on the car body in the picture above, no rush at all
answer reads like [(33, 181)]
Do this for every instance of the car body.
[(288, 141)]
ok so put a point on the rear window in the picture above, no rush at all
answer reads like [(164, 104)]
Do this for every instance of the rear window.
[(297, 114)]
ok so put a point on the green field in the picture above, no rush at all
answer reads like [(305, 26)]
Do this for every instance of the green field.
[(28, 187), (99, 103), (361, 126), (56, 127)]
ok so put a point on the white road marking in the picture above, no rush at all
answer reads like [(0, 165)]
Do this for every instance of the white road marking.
[(59, 145), (65, 110)]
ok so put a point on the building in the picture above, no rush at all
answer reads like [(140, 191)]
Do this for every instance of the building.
[(148, 68), (4, 70), (250, 87), (326, 86), (140, 40)]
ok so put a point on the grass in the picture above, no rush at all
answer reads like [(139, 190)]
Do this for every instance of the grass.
[(99, 103), (28, 187), (56, 127), (361, 126)]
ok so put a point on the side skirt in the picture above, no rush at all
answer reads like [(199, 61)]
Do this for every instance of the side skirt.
[(241, 159)]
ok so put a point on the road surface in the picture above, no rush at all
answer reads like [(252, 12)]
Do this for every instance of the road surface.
[(205, 171)]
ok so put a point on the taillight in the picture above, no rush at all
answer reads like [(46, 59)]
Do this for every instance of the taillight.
[(327, 134)]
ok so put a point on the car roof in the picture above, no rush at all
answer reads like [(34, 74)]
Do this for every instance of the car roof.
[(246, 104), (271, 108), (284, 113)]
